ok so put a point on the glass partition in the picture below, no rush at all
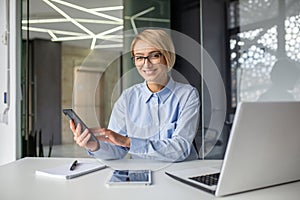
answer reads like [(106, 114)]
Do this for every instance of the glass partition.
[(68, 43), (264, 38), (59, 62), (75, 55)]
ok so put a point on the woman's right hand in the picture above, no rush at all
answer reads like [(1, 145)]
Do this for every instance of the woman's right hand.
[(82, 138)]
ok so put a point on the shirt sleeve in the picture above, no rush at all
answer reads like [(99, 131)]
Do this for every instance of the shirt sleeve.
[(109, 151), (178, 147)]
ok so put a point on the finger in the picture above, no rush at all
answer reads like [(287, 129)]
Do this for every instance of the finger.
[(107, 132), (81, 138), (72, 126), (85, 140), (100, 133), (95, 130), (110, 137), (102, 138), (78, 130), (78, 136), (83, 135), (107, 139)]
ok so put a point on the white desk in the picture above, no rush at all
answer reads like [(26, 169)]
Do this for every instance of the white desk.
[(18, 181)]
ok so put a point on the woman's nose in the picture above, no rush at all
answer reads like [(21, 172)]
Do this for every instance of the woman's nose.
[(147, 62)]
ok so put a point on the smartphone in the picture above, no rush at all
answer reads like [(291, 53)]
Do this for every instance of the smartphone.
[(71, 114), (130, 177)]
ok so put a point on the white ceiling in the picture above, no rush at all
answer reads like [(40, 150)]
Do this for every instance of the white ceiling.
[(79, 19)]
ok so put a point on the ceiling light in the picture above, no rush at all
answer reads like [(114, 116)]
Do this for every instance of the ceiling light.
[(108, 46), (111, 8), (69, 18), (79, 22), (93, 43), (63, 20), (84, 37), (88, 10), (43, 30), (110, 31), (52, 34), (137, 15)]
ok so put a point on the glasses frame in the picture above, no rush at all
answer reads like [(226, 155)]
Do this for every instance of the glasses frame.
[(147, 58)]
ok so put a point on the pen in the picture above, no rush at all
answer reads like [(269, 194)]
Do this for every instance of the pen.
[(73, 165)]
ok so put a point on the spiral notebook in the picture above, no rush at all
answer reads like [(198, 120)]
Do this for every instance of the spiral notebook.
[(64, 171)]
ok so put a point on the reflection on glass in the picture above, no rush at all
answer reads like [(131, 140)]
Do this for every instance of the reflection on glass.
[(284, 76), (78, 27), (257, 43), (91, 37)]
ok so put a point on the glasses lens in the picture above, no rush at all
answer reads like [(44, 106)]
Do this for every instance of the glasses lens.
[(153, 58), (138, 60)]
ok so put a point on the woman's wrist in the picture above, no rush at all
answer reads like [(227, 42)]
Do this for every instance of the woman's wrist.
[(96, 148), (127, 142)]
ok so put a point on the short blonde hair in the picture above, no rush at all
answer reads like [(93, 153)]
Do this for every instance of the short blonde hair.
[(158, 39)]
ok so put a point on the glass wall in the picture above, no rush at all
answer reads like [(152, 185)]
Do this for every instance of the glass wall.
[(72, 48), (264, 38), (78, 50), (89, 42)]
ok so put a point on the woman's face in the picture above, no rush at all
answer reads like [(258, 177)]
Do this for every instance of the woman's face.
[(155, 72)]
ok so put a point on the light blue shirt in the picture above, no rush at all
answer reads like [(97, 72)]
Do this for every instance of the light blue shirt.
[(161, 125)]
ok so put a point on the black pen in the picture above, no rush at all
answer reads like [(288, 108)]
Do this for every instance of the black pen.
[(73, 165)]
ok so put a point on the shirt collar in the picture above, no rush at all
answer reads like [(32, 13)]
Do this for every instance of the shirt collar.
[(162, 94)]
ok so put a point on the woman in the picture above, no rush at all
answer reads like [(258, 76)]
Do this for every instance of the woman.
[(156, 119)]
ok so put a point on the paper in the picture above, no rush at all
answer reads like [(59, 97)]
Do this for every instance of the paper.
[(64, 171)]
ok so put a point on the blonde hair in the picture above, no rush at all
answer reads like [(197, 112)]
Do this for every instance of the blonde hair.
[(159, 39)]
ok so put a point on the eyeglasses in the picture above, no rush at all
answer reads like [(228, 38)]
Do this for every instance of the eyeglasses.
[(153, 58)]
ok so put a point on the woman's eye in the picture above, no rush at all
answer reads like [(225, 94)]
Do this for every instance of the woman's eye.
[(139, 58), (157, 55)]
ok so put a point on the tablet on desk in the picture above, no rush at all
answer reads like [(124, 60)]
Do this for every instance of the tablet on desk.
[(130, 177)]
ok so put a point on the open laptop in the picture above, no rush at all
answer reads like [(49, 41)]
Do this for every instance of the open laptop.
[(262, 151)]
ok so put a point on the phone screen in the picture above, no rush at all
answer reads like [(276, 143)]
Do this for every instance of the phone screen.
[(130, 177)]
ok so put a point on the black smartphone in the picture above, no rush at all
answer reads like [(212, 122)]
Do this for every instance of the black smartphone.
[(71, 114)]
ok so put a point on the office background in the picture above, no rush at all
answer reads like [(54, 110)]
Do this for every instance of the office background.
[(50, 48)]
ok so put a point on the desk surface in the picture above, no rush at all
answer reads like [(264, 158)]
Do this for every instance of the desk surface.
[(18, 181)]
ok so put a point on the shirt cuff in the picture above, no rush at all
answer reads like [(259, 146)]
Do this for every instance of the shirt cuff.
[(103, 147), (138, 145)]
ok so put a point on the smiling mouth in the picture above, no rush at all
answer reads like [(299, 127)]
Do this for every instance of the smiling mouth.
[(149, 72)]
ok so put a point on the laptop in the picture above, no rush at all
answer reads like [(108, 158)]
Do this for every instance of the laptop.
[(262, 151)]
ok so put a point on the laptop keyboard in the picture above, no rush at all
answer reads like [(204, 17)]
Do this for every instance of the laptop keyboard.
[(210, 179)]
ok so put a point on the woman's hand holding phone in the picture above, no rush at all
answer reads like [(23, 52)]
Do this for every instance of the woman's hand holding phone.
[(83, 139)]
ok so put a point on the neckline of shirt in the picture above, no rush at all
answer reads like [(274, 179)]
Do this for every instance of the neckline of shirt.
[(162, 94)]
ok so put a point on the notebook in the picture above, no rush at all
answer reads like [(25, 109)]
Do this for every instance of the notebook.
[(262, 151), (64, 172)]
